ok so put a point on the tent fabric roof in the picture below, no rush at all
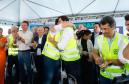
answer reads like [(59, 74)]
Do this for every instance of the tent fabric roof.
[(18, 10)]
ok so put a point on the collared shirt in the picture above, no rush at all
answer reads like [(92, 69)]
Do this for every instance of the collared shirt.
[(39, 49), (27, 36), (96, 34), (109, 41), (122, 59), (122, 46), (40, 40)]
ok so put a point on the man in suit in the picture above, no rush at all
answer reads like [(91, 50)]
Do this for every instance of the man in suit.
[(46, 30), (39, 42), (96, 32), (95, 68)]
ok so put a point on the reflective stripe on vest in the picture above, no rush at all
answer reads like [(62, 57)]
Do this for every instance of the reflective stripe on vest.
[(50, 50), (70, 55), (127, 68), (71, 52), (13, 53), (110, 53), (11, 50)]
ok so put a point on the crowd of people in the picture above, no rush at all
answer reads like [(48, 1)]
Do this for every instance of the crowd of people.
[(59, 55)]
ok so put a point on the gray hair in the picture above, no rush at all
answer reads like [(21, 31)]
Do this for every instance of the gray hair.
[(14, 28)]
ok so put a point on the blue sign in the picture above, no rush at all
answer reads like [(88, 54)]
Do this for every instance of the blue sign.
[(88, 25)]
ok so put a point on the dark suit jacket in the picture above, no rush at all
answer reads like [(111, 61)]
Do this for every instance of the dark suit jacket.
[(36, 39), (93, 38)]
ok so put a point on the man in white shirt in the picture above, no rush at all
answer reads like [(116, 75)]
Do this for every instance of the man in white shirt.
[(24, 41), (96, 32), (126, 50), (124, 58)]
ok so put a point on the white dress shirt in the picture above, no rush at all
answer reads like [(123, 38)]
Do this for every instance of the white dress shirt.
[(27, 36), (39, 49), (121, 57), (40, 40), (122, 45)]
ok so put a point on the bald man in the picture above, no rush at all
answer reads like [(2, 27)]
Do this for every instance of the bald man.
[(39, 42), (12, 57)]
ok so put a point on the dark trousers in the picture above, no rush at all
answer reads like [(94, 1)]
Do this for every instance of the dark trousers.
[(12, 72), (89, 71), (73, 68), (38, 79), (104, 80), (25, 71), (51, 67)]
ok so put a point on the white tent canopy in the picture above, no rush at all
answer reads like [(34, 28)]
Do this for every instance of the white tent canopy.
[(18, 10)]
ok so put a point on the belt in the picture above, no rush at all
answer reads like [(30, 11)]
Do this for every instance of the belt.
[(23, 50)]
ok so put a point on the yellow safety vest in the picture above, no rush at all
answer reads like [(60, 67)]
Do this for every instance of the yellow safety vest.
[(49, 49), (126, 64), (12, 50), (110, 52), (127, 68), (71, 52)]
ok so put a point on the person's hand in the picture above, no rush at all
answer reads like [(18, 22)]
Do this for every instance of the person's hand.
[(103, 65), (84, 52), (18, 37), (34, 44), (52, 29), (14, 42), (98, 60), (51, 39)]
